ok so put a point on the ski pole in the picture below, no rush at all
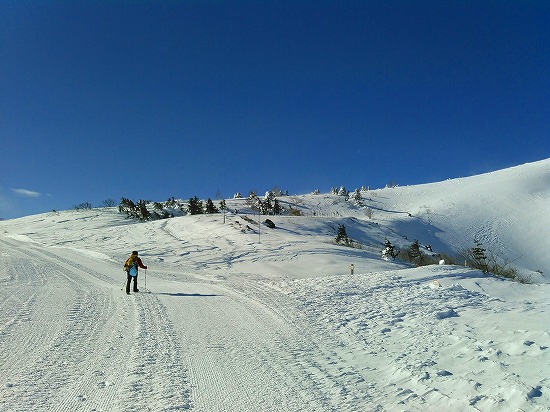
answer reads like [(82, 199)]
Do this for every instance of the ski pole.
[(126, 281), (145, 279)]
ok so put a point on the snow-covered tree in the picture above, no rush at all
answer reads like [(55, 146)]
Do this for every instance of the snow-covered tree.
[(277, 192), (266, 207), (171, 202), (389, 251), (356, 197), (342, 191), (253, 200)]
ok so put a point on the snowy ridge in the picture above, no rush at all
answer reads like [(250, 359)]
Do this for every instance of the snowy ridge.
[(238, 316)]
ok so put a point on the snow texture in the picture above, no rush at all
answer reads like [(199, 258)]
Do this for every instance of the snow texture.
[(241, 317)]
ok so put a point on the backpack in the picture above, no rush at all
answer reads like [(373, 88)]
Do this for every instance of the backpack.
[(131, 265)]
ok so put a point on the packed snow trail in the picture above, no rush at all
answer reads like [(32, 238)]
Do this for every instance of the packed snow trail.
[(70, 339), (54, 320), (244, 355)]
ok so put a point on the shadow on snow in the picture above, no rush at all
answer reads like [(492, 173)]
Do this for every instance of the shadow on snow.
[(186, 294)]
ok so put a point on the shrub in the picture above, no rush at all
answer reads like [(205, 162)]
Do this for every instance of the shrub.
[(294, 212), (108, 203), (83, 206), (369, 212), (413, 254), (475, 257), (490, 262)]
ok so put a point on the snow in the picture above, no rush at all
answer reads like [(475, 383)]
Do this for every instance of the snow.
[(236, 319)]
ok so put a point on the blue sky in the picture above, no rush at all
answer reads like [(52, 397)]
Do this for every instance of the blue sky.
[(149, 100)]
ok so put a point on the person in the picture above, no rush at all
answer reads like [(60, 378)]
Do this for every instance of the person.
[(131, 267)]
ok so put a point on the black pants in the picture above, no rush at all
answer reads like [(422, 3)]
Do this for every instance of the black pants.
[(128, 283)]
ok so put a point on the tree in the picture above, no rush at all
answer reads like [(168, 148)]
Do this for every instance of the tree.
[(342, 236), (414, 252), (195, 206), (276, 191), (210, 208), (127, 206), (356, 197), (143, 213), (277, 209), (389, 251), (414, 249), (270, 195), (369, 212), (342, 191), (254, 201), (267, 204), (479, 257), (171, 202)]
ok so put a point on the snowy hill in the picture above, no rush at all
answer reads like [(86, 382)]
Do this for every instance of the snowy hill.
[(238, 316)]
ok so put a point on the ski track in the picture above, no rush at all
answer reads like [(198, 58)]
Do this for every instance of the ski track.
[(235, 346), (157, 378), (246, 352), (338, 385), (95, 324)]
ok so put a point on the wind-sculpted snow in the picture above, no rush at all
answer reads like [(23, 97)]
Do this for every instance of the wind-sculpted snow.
[(423, 340)]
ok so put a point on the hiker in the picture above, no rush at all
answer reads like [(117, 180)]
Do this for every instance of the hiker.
[(131, 267)]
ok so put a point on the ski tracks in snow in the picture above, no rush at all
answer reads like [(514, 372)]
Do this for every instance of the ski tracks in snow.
[(247, 350), (71, 340), (157, 377), (42, 355)]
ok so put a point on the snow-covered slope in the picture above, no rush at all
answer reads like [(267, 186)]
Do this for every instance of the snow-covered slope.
[(243, 317), (507, 210)]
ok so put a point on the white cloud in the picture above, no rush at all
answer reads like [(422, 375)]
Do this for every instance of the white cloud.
[(27, 193)]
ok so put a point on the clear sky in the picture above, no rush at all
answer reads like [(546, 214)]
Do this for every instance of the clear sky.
[(154, 99)]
